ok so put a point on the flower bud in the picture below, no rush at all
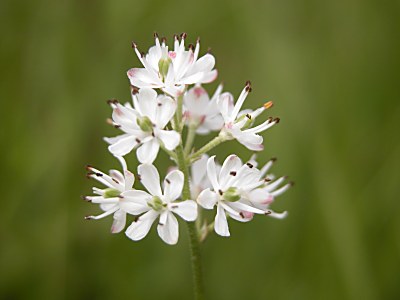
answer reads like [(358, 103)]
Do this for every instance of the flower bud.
[(145, 123), (231, 194), (111, 193)]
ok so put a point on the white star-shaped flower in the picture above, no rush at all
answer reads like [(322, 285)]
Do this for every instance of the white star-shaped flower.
[(202, 111), (160, 204), (144, 125), (238, 125), (171, 71), (233, 181), (111, 198)]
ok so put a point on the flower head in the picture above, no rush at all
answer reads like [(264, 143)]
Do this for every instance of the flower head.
[(202, 111), (171, 70), (238, 125), (143, 125), (162, 204), (111, 198)]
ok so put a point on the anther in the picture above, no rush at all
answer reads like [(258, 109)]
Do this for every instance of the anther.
[(220, 192), (138, 141), (98, 174), (249, 165), (88, 217), (155, 35), (241, 214), (168, 181), (134, 46), (176, 37), (159, 104), (134, 90), (277, 120), (117, 126), (152, 134), (274, 159), (112, 101), (88, 167), (198, 40), (291, 183), (139, 177), (266, 179), (86, 198), (268, 104), (142, 54), (115, 180), (164, 40), (183, 35), (268, 212), (233, 173), (191, 47), (248, 116)]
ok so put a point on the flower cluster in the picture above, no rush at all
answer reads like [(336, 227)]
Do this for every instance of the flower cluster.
[(169, 108)]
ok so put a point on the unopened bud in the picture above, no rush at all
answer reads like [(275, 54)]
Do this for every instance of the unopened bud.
[(163, 66), (156, 203)]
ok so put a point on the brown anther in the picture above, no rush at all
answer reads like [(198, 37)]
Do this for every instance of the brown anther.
[(183, 35), (138, 141), (163, 40), (155, 35), (291, 183), (167, 181), (209, 50), (133, 45), (220, 192), (120, 196), (152, 134), (248, 116), (159, 104), (241, 214), (134, 90), (88, 217), (139, 177), (115, 180), (142, 54), (233, 173), (98, 174), (86, 198), (249, 165), (88, 167), (191, 47), (117, 126), (176, 37), (274, 159), (266, 179), (112, 101), (248, 83), (269, 119), (277, 120), (248, 88), (174, 206), (268, 213)]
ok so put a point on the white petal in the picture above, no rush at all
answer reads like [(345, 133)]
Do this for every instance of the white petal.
[(139, 229), (135, 202), (204, 64), (168, 229), (123, 146), (142, 78), (147, 103), (209, 76), (165, 110), (150, 178), (229, 170), (173, 185), (169, 138), (277, 215), (119, 221), (207, 199), (212, 173), (147, 153), (187, 210), (225, 106), (221, 224)]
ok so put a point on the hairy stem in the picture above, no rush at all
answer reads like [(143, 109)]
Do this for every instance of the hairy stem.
[(192, 229)]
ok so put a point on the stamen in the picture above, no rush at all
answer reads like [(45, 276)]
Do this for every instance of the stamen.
[(134, 46), (167, 181), (233, 173), (134, 90), (138, 141), (220, 192), (183, 35), (249, 165), (155, 35)]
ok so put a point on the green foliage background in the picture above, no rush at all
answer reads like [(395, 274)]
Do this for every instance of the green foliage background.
[(332, 70)]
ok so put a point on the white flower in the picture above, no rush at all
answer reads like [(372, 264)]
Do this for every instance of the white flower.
[(263, 196), (160, 204), (199, 179), (171, 71), (111, 199), (202, 111), (238, 125), (144, 126), (229, 186)]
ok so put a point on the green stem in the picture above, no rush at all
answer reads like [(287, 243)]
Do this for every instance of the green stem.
[(179, 113), (190, 138), (192, 229), (213, 143)]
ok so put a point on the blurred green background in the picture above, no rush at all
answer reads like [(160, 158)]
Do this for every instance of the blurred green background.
[(332, 69)]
